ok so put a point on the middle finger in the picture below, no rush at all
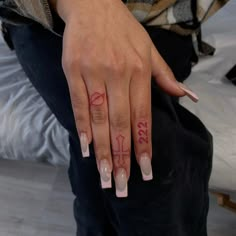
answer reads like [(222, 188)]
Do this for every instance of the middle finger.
[(120, 132)]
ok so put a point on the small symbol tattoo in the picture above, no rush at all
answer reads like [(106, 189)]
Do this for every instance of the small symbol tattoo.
[(120, 153), (143, 132), (97, 99)]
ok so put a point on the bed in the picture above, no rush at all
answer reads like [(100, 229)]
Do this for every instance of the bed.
[(20, 103), (26, 133)]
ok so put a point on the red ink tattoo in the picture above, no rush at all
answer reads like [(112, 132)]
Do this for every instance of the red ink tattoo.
[(120, 153), (142, 124), (97, 99), (143, 132)]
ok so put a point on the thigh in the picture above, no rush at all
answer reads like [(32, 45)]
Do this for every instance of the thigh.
[(176, 201), (39, 52)]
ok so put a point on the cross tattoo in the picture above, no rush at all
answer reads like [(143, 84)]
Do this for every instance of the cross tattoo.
[(120, 153)]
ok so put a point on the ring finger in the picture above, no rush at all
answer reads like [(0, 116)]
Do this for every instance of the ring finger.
[(100, 130)]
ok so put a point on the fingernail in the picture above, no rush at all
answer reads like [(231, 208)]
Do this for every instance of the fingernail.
[(189, 92), (105, 174), (146, 167), (121, 183), (84, 145)]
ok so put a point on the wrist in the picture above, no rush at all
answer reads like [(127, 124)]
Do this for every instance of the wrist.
[(62, 8), (67, 9)]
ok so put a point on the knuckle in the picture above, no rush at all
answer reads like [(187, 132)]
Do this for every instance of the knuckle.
[(117, 68), (138, 65), (102, 152), (70, 62), (79, 109), (141, 114), (80, 118), (88, 63), (98, 115), (120, 122), (78, 101), (114, 65)]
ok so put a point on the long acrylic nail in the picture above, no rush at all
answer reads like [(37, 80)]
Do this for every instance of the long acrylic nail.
[(146, 167), (84, 145), (189, 92), (105, 174), (121, 183)]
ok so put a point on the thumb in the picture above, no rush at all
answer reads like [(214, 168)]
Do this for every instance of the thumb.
[(165, 78)]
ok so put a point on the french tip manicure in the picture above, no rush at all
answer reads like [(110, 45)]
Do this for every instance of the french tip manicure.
[(105, 174), (148, 177), (146, 167), (189, 92), (84, 145), (106, 184), (121, 183), (122, 194)]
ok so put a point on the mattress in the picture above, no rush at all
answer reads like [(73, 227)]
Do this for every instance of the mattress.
[(26, 134)]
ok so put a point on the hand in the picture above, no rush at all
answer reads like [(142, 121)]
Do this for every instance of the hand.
[(108, 60)]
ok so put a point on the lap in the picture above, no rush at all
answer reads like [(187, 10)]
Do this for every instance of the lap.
[(176, 201)]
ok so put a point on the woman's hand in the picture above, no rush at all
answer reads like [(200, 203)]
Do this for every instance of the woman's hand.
[(108, 60)]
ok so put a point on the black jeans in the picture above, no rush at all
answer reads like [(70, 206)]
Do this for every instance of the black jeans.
[(175, 202)]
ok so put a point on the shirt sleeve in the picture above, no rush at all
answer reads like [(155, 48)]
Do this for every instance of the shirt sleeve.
[(182, 16), (37, 10)]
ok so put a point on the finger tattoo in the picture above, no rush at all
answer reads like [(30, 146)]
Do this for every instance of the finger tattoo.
[(121, 154), (97, 99), (143, 132)]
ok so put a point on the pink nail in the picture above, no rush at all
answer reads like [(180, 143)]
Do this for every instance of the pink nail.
[(189, 92), (121, 183), (84, 145), (146, 167), (105, 174)]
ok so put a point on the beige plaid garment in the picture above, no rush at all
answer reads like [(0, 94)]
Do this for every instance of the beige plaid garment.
[(181, 16)]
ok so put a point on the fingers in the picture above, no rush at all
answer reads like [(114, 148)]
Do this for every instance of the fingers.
[(140, 97), (120, 131), (165, 77), (80, 105), (100, 130), (163, 74), (89, 102)]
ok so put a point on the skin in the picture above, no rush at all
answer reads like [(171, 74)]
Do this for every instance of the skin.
[(108, 59)]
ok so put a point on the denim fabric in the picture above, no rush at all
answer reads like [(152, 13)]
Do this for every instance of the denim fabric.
[(175, 202)]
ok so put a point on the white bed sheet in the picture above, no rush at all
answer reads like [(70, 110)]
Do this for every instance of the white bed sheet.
[(26, 133)]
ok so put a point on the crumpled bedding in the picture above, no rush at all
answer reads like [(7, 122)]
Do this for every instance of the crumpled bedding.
[(28, 129), (26, 133)]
